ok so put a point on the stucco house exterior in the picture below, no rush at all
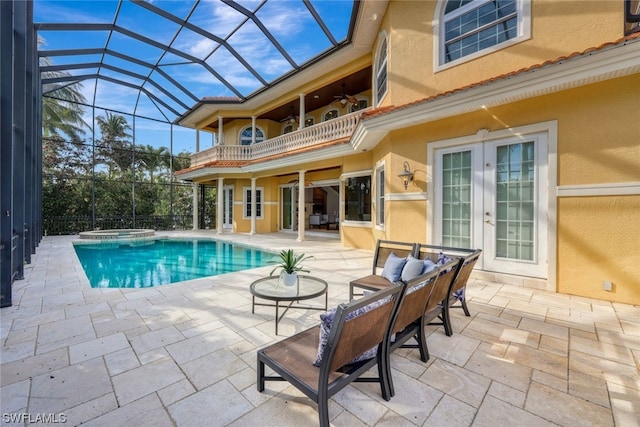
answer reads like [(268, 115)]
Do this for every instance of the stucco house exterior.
[(510, 126)]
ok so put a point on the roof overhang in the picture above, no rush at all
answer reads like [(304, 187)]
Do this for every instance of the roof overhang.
[(594, 65), (364, 35)]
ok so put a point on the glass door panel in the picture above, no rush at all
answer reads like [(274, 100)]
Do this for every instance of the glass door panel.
[(287, 208), (456, 199)]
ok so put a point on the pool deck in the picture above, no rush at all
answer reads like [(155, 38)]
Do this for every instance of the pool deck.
[(185, 354)]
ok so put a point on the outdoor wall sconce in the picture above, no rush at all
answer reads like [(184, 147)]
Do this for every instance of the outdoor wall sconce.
[(406, 175)]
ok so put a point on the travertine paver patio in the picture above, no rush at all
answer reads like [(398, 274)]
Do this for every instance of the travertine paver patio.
[(185, 354)]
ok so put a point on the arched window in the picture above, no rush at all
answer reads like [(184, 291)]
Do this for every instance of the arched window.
[(247, 134), (309, 121), (471, 28), (287, 129), (331, 114), (362, 104), (381, 69)]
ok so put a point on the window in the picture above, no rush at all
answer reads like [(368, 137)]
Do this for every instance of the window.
[(631, 16), (287, 129), (380, 196), (247, 133), (381, 69), (357, 198), (309, 122), (362, 104), (471, 28), (331, 114), (247, 202)]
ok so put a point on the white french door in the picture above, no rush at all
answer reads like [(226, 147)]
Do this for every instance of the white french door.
[(492, 195), (288, 204), (227, 207)]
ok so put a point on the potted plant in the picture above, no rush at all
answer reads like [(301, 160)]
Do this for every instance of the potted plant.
[(290, 265)]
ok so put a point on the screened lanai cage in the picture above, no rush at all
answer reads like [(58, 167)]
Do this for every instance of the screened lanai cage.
[(93, 91), (121, 176)]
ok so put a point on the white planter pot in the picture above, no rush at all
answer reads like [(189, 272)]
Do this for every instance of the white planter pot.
[(289, 279)]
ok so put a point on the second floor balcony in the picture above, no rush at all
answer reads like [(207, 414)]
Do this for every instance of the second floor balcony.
[(340, 128)]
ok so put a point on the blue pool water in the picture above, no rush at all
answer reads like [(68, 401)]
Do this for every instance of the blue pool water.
[(146, 263)]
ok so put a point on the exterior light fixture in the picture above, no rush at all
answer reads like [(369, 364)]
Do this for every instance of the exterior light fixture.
[(406, 175)]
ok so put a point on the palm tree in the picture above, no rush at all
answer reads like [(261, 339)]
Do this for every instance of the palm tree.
[(153, 158), (61, 106), (115, 148)]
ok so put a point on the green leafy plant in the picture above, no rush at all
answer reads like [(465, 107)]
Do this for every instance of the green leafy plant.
[(290, 263)]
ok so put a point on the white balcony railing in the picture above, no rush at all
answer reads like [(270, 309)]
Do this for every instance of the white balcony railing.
[(340, 127)]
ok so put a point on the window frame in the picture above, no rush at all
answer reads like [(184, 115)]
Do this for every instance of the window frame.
[(286, 126), (246, 202), (309, 121), (380, 195), (523, 12), (258, 128), (360, 100), (380, 68), (329, 110), (344, 179)]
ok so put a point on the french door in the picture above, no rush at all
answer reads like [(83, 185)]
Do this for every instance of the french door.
[(493, 196), (288, 200)]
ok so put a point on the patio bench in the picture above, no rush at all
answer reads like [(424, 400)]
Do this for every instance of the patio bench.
[(468, 259), (375, 281), (358, 327), (420, 305)]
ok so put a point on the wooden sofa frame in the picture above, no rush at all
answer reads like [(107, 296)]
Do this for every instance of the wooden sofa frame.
[(352, 333)]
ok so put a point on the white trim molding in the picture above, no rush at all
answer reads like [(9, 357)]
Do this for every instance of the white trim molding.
[(607, 189), (394, 197)]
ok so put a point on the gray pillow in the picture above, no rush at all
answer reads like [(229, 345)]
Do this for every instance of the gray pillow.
[(412, 268), (393, 267)]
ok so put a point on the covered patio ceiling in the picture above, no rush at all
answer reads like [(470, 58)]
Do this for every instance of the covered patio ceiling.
[(160, 59)]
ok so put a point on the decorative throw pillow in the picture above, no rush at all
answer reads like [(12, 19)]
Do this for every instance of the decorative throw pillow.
[(393, 267), (326, 320), (412, 269), (427, 266), (442, 260)]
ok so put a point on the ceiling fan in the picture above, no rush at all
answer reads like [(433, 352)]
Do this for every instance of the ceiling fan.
[(291, 118), (344, 98)]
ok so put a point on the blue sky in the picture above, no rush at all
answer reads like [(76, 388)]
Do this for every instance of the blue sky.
[(288, 21)]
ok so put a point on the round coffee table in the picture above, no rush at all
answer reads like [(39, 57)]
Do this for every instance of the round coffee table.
[(271, 288)]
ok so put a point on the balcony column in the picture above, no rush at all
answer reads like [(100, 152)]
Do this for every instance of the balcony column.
[(220, 208), (253, 205), (196, 187), (302, 112), (301, 206), (197, 140), (220, 137), (253, 130)]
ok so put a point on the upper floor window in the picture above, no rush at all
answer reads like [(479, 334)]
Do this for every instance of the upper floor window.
[(362, 104), (381, 69), (287, 129), (631, 16), (331, 114), (310, 121), (246, 136), (472, 28)]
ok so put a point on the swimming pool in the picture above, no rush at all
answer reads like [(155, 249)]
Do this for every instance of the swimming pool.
[(147, 263)]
